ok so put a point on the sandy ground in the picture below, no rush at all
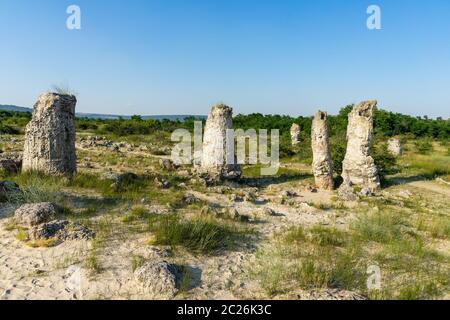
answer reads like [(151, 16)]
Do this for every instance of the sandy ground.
[(60, 273)]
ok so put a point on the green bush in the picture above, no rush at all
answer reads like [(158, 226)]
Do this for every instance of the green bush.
[(199, 235)]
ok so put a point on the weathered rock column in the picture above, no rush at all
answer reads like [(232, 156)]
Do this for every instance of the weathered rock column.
[(295, 134), (322, 165), (395, 147), (359, 167), (214, 155), (50, 135)]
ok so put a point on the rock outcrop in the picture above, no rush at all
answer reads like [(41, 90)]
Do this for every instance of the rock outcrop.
[(50, 136), (322, 165), (35, 213), (61, 230), (358, 167), (214, 156), (395, 147), (159, 279), (295, 134)]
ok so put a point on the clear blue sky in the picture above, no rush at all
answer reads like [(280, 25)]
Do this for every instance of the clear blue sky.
[(181, 56)]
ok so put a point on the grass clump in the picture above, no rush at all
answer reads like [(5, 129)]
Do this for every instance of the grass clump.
[(202, 235), (317, 257), (380, 227)]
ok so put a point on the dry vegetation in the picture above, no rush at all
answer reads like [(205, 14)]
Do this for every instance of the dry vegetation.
[(314, 246)]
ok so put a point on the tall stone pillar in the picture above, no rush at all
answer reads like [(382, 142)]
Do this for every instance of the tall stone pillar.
[(295, 134), (359, 167), (322, 164), (214, 154), (50, 136)]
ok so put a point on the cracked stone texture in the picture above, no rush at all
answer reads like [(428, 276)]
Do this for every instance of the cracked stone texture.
[(395, 147), (32, 214), (50, 135), (214, 156), (358, 167), (322, 165), (295, 134), (160, 279)]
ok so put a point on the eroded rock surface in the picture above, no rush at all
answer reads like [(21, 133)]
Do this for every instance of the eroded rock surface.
[(322, 165), (358, 167), (214, 156), (50, 135), (395, 147), (62, 230), (295, 134), (33, 214), (159, 279), (11, 162)]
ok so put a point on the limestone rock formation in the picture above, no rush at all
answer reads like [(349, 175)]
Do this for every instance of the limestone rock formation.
[(159, 279), (50, 135), (295, 134), (35, 213), (61, 230), (395, 147), (322, 165), (214, 156), (358, 167)]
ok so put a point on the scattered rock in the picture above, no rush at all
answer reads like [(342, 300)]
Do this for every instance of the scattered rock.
[(120, 179), (159, 279), (236, 198), (189, 198), (269, 212), (161, 183), (34, 214), (167, 164), (250, 196), (288, 194), (346, 193), (62, 230)]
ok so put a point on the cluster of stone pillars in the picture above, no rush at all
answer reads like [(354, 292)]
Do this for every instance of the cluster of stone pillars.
[(358, 167), (50, 143)]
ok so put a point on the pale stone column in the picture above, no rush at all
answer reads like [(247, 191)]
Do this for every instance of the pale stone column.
[(322, 165), (214, 155), (359, 167), (295, 134), (50, 135)]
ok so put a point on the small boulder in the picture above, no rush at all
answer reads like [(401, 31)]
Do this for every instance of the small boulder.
[(346, 193), (159, 279), (62, 230), (35, 213), (189, 198), (167, 164)]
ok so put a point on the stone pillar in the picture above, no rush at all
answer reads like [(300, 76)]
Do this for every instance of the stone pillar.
[(395, 147), (359, 167), (50, 136), (214, 154), (322, 165), (295, 134)]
